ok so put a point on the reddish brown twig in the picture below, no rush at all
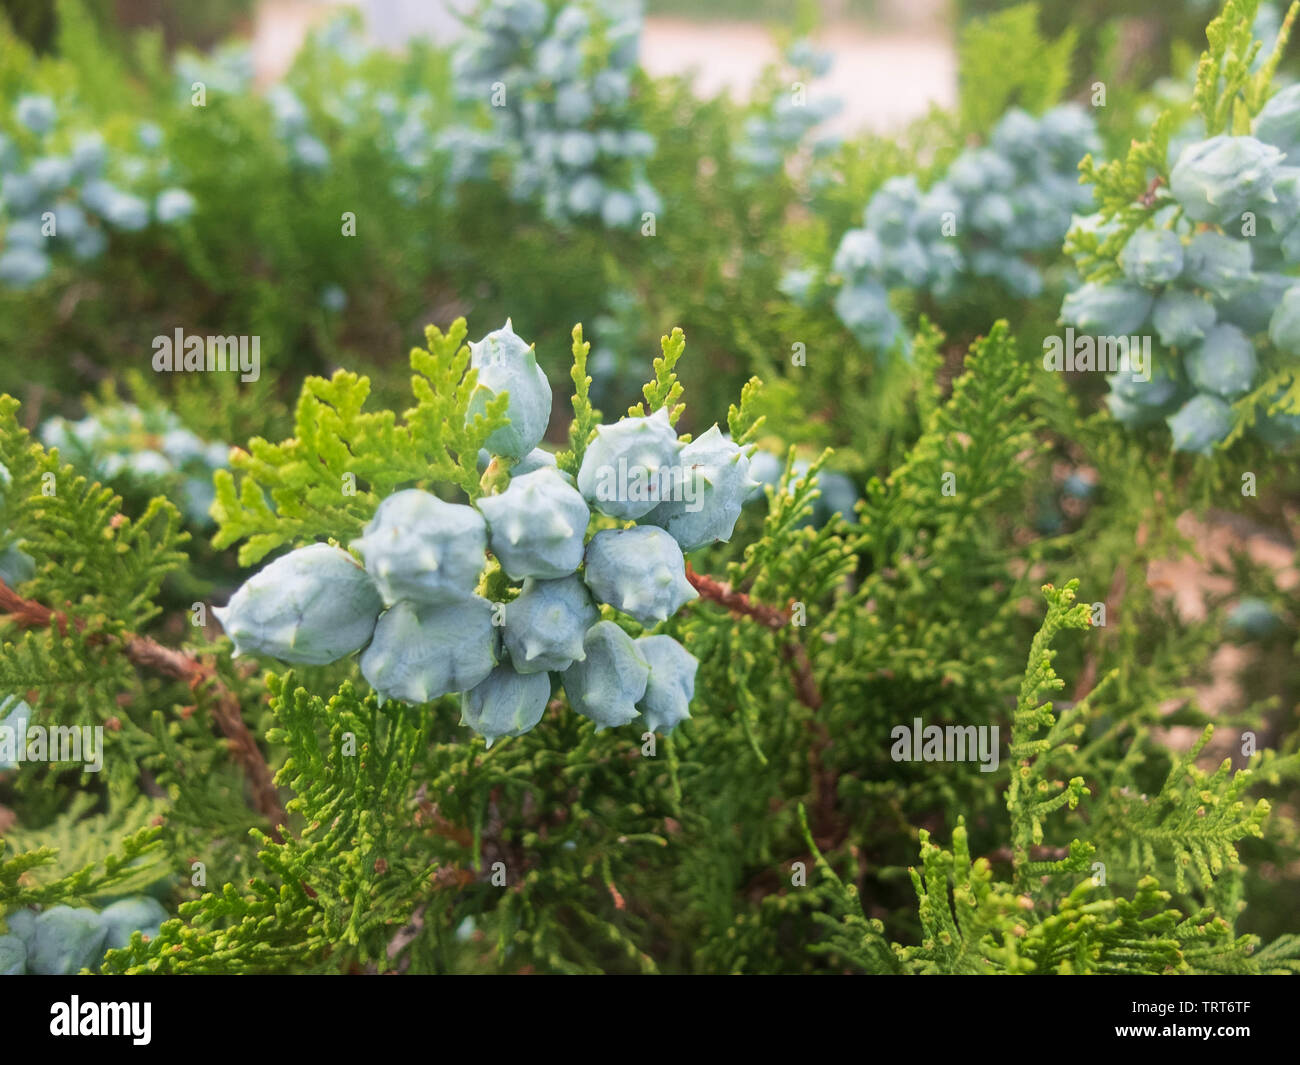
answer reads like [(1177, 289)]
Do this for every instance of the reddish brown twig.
[(147, 654), (228, 714), (805, 684), (27, 612), (736, 602), (792, 651), (427, 815), (1148, 198), (795, 655)]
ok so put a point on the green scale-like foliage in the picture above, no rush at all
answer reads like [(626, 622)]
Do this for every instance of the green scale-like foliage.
[(101, 571), (972, 922), (356, 801), (338, 446), (88, 833), (1006, 62)]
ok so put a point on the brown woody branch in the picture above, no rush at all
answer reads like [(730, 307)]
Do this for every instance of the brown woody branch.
[(148, 654), (792, 651), (736, 602), (1148, 198)]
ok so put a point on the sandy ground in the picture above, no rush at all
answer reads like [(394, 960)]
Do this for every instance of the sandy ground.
[(884, 77)]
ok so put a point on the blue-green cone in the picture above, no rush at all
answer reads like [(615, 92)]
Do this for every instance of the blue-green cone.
[(860, 250), (839, 495), (537, 459), (1218, 179), (141, 913), (626, 467), (1152, 257), (422, 652), (765, 468), (606, 685), (1282, 214), (1132, 414), (893, 207), (1155, 393), (668, 693), (1181, 317), (1106, 310), (1278, 123), (420, 548), (1219, 264), (13, 956), (1252, 306), (22, 923), (507, 703), (536, 526), (865, 310), (506, 364), (1016, 136), (1200, 423), (1291, 245), (1223, 363), (639, 571), (1284, 326), (713, 484), (315, 605), (501, 345), (66, 941), (1254, 617), (16, 566), (546, 623)]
